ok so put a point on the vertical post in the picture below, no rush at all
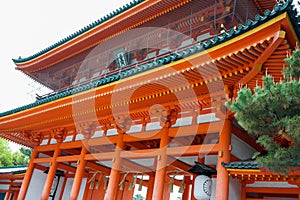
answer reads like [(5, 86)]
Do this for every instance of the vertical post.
[(166, 195), (63, 187), (115, 170), (161, 167), (78, 175), (222, 185), (7, 195), (51, 174), (200, 160), (187, 188), (15, 197), (27, 177), (150, 187), (243, 196), (193, 187)]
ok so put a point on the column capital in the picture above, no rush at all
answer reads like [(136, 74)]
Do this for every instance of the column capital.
[(87, 129), (167, 116), (122, 122), (59, 134), (33, 136)]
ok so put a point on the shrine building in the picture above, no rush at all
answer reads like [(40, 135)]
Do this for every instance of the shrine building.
[(137, 103)]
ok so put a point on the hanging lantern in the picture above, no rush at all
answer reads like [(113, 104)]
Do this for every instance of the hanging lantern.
[(202, 187), (203, 182)]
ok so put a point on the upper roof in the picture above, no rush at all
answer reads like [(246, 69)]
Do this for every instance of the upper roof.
[(81, 31), (225, 36), (57, 109), (140, 11)]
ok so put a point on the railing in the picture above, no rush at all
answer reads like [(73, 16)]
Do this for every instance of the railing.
[(194, 25)]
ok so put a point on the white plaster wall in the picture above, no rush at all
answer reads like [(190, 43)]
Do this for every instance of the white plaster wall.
[(36, 185), (241, 149), (4, 187), (61, 180), (234, 189), (68, 188), (213, 189), (271, 184)]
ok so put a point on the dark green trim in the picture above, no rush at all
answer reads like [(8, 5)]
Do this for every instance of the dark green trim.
[(241, 165), (11, 167), (81, 31), (268, 15)]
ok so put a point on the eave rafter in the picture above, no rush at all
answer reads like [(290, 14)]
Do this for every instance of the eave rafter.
[(257, 66), (249, 176)]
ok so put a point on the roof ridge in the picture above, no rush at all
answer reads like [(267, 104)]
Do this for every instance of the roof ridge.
[(88, 27), (225, 36)]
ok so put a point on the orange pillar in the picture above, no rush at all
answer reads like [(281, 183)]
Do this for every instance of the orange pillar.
[(63, 187), (166, 195), (128, 194), (161, 167), (15, 197), (193, 187), (243, 197), (114, 177), (78, 175), (7, 195), (27, 177), (51, 174), (187, 190), (150, 187), (222, 185)]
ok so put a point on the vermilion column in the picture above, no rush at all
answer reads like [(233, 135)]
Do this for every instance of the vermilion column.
[(27, 177), (187, 190), (51, 174), (150, 187), (7, 195), (63, 187), (222, 185), (114, 177), (161, 167), (78, 175), (15, 195)]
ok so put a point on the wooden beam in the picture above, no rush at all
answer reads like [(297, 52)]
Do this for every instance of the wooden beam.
[(193, 150), (243, 135), (206, 128), (257, 66), (273, 190), (178, 164)]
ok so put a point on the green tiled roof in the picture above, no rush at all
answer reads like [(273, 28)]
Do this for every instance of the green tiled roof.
[(13, 169), (241, 165), (250, 24), (81, 31)]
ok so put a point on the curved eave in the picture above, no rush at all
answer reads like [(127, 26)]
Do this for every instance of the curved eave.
[(92, 35), (58, 109), (210, 45), (81, 31)]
